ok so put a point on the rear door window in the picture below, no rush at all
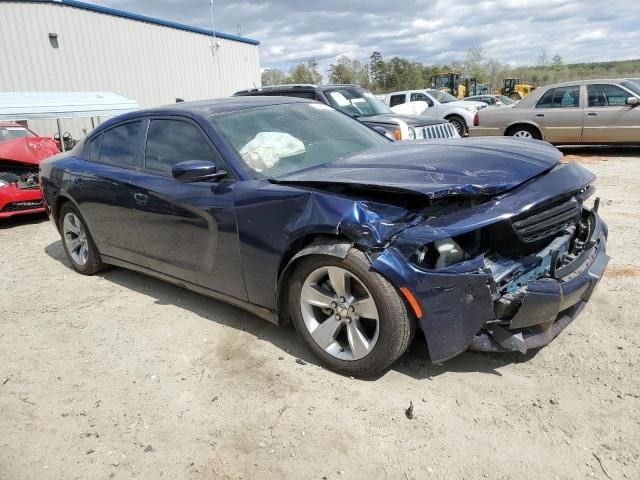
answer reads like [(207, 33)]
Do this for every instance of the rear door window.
[(397, 100), (561, 97), (121, 145), (92, 150), (174, 141)]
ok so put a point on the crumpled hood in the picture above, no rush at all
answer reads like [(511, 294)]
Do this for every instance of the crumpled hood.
[(467, 167), (29, 150)]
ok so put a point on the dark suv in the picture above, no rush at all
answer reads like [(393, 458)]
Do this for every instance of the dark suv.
[(366, 107)]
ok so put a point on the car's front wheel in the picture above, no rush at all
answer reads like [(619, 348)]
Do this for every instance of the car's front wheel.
[(459, 124), (77, 242), (349, 316)]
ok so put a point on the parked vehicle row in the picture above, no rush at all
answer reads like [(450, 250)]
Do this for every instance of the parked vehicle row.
[(296, 212), (441, 105), (581, 112), (364, 106)]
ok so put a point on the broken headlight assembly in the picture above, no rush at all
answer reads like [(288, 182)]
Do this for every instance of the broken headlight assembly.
[(449, 251)]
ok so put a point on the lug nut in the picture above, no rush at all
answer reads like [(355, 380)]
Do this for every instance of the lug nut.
[(342, 299), (348, 319), (334, 304), (352, 308)]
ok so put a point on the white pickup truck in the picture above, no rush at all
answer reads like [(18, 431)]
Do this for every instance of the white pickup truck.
[(440, 105)]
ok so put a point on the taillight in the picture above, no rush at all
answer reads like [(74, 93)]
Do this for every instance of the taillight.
[(476, 120)]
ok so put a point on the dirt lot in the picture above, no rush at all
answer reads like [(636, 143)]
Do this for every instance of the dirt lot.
[(123, 376)]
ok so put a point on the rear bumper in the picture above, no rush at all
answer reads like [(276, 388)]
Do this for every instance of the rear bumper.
[(14, 201)]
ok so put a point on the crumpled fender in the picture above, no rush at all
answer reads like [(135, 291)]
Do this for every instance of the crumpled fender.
[(455, 303)]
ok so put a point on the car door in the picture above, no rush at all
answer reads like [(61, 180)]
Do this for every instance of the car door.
[(188, 230), (608, 119), (560, 115), (100, 186)]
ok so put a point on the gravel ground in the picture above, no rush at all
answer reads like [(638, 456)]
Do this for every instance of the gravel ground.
[(123, 376)]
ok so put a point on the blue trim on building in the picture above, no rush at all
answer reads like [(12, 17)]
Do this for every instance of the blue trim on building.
[(144, 18)]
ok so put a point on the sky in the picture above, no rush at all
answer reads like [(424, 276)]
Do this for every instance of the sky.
[(511, 31)]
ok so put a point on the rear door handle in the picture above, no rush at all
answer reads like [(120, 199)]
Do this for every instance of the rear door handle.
[(140, 198), (592, 114), (78, 181), (539, 114)]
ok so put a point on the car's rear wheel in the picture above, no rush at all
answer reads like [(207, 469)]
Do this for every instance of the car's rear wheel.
[(352, 319), (459, 124), (525, 131), (77, 241)]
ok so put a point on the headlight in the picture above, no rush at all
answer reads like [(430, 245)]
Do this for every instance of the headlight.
[(3, 183), (412, 134), (440, 254), (470, 108)]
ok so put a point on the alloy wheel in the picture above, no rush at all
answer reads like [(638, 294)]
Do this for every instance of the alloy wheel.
[(339, 313), (75, 239)]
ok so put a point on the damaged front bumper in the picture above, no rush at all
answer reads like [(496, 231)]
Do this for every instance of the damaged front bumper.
[(463, 310)]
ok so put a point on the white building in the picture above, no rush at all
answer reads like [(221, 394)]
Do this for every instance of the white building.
[(66, 45)]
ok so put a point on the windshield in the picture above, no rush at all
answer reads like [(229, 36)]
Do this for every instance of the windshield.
[(356, 102), (11, 133), (633, 86), (280, 139), (442, 97), (504, 99)]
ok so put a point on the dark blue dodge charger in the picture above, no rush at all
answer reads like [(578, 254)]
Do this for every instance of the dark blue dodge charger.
[(296, 212)]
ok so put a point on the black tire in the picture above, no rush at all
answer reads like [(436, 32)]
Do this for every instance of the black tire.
[(459, 124), (521, 131), (94, 263), (396, 325)]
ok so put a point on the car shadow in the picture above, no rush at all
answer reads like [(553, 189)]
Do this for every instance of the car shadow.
[(414, 363), (19, 220)]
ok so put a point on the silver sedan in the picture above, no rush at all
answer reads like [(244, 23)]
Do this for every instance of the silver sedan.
[(581, 112)]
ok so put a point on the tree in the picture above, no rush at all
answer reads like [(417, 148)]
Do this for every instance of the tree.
[(305, 73), (273, 76), (377, 72), (475, 64), (348, 70), (557, 66)]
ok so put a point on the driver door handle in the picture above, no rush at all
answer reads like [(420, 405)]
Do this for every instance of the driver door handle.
[(592, 114), (140, 198), (539, 114)]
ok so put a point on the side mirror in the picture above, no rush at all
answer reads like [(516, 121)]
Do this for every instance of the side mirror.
[(632, 101), (196, 171)]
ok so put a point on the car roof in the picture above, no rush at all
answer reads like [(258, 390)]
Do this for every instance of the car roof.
[(206, 108), (11, 124), (295, 87)]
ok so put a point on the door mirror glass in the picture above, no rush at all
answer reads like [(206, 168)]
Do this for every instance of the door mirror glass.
[(632, 101), (196, 171)]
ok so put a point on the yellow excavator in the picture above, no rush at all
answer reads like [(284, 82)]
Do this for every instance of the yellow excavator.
[(449, 83), (514, 89)]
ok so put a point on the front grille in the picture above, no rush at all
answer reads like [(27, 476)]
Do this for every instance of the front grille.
[(21, 206), (542, 223), (441, 130), (530, 231)]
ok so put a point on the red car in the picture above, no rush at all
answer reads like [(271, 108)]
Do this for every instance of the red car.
[(21, 151)]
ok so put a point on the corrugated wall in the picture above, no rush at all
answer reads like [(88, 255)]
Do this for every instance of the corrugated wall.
[(149, 63)]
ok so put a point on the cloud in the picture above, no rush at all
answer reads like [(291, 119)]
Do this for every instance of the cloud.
[(511, 31)]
